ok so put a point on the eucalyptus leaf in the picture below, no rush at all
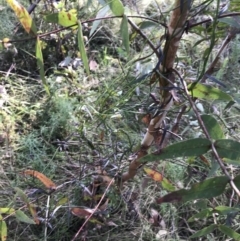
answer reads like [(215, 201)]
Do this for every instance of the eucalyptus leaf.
[(124, 32), (82, 48), (191, 147), (116, 6), (204, 231), (208, 188), (213, 127), (229, 232), (203, 214), (229, 149), (207, 92), (101, 13), (230, 21), (63, 18), (3, 230), (40, 64), (21, 216)]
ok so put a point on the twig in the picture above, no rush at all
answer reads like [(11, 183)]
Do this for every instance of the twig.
[(144, 36), (192, 25), (95, 209), (46, 218), (225, 43), (215, 153)]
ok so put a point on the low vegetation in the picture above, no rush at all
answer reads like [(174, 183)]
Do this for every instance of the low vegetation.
[(119, 120)]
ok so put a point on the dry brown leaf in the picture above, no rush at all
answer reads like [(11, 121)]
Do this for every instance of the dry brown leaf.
[(81, 212), (104, 206), (205, 160), (46, 181), (33, 212)]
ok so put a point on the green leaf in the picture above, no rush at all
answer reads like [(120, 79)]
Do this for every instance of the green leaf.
[(209, 188), (203, 214), (207, 92), (147, 24), (228, 149), (40, 65), (237, 181), (3, 230), (23, 16), (22, 217), (191, 147), (124, 32), (224, 210), (63, 18), (21, 194), (213, 127), (7, 210), (82, 48), (116, 6), (231, 21), (167, 185), (229, 232), (101, 13), (229, 105), (204, 231)]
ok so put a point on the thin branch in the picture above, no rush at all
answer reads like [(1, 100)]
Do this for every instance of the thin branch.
[(143, 36), (215, 153), (225, 43), (95, 209), (192, 25)]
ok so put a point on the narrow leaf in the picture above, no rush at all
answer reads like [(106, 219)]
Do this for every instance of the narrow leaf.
[(204, 231), (229, 232), (215, 80), (3, 230), (116, 6), (213, 127), (82, 48), (40, 65), (167, 185), (237, 181), (231, 21), (203, 214), (46, 181), (22, 217), (192, 147), (124, 32), (102, 13), (207, 92), (33, 212), (80, 212), (229, 149), (147, 24), (156, 176), (21, 194), (224, 210), (207, 189), (229, 105), (7, 211), (30, 206), (63, 18), (23, 16)]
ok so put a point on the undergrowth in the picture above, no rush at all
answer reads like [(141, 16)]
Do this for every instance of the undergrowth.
[(88, 125)]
